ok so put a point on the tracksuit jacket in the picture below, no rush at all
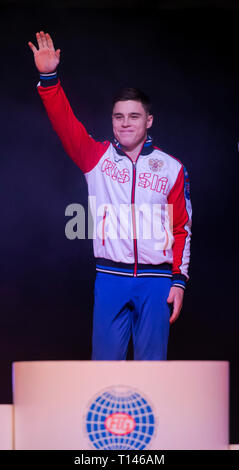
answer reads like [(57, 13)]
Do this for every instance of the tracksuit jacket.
[(141, 210)]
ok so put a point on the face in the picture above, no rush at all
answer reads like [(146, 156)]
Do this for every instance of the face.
[(130, 123)]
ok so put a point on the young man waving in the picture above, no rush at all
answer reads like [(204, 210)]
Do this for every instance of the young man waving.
[(140, 198)]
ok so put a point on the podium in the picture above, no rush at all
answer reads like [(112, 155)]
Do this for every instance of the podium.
[(6, 427), (130, 405)]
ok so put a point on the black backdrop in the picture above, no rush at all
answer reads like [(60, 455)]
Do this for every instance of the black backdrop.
[(187, 61)]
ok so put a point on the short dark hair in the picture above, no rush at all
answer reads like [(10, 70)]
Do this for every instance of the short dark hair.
[(135, 94)]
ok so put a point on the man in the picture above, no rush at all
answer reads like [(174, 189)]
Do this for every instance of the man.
[(142, 255)]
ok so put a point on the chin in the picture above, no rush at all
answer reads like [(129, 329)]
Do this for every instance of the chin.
[(127, 143)]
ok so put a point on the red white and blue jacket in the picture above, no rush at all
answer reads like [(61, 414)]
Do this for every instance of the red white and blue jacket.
[(141, 210)]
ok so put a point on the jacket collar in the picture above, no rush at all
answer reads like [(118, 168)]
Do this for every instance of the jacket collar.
[(146, 150)]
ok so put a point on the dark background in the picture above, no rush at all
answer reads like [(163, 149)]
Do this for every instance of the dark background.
[(186, 59)]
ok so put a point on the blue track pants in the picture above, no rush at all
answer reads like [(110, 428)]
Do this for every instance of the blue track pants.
[(130, 305)]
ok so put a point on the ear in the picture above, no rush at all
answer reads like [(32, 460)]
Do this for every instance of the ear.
[(149, 121)]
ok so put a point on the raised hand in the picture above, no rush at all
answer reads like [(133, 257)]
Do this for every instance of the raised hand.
[(46, 58)]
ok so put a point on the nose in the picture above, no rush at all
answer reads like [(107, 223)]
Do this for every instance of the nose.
[(125, 121)]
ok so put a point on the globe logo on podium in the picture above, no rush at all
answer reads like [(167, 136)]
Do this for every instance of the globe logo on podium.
[(120, 418)]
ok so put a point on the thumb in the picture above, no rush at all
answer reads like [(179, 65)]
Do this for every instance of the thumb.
[(58, 52), (170, 297)]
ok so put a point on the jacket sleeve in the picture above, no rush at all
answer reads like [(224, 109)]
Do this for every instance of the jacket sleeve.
[(179, 197), (78, 144)]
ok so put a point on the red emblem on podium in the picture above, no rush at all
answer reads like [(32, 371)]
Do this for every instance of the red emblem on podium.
[(120, 423)]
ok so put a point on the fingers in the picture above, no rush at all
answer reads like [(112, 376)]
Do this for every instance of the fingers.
[(177, 305), (32, 47), (174, 315), (39, 41), (176, 298), (170, 297), (42, 40), (49, 41)]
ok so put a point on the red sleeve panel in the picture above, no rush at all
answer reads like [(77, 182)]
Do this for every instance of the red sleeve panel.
[(181, 225), (82, 148)]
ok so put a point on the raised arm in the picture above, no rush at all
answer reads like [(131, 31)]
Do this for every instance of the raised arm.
[(84, 150)]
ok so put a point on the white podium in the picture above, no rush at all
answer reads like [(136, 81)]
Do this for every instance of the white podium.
[(121, 405), (6, 427)]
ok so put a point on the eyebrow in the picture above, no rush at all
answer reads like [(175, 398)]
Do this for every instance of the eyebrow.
[(121, 114)]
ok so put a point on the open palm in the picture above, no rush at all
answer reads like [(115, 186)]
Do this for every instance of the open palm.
[(46, 58)]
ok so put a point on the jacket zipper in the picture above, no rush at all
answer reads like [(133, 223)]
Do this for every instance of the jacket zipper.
[(103, 226), (133, 209), (134, 221)]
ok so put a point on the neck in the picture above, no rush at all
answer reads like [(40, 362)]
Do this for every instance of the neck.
[(133, 153)]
